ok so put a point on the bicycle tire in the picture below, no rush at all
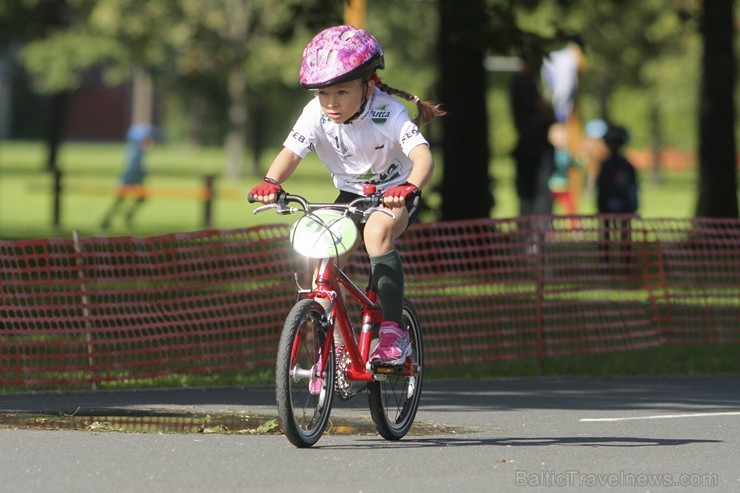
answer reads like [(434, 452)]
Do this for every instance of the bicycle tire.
[(303, 415), (394, 401)]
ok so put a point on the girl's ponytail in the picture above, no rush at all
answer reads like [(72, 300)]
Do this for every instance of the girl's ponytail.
[(427, 110)]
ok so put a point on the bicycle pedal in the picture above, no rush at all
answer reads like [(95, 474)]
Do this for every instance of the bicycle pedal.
[(386, 369)]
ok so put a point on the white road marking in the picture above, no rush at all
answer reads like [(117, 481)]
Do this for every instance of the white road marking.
[(663, 416)]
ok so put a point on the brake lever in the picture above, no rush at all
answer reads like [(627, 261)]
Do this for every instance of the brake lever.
[(281, 209), (263, 208), (370, 210)]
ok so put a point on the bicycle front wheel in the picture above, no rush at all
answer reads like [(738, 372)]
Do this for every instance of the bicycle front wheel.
[(394, 401), (304, 388)]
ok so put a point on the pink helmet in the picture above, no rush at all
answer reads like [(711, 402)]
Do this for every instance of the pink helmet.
[(340, 54)]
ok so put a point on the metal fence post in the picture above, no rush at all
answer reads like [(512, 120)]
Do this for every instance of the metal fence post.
[(208, 201), (85, 305)]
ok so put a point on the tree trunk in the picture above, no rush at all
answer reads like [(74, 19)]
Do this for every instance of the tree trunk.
[(194, 120), (466, 184), (717, 147), (656, 142), (237, 122), (239, 19), (142, 100), (257, 105)]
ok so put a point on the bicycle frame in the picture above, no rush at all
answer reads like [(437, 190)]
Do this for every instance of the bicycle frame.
[(329, 279), (304, 387)]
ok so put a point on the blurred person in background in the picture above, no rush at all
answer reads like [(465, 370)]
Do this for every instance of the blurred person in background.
[(561, 73), (616, 193), (140, 138), (616, 182), (533, 154), (559, 182), (594, 149)]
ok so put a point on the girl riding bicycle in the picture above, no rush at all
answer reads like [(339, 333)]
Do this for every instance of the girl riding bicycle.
[(363, 135)]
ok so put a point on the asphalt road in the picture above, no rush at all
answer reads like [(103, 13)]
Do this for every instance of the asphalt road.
[(621, 434)]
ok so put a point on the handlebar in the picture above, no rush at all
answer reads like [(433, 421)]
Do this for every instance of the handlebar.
[(363, 206)]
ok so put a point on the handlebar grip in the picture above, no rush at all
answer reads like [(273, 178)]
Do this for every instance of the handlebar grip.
[(279, 196), (416, 202)]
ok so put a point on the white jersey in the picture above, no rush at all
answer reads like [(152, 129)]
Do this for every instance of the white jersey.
[(373, 148)]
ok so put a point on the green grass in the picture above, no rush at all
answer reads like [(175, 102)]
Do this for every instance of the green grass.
[(253, 377), (711, 359), (91, 173), (663, 361)]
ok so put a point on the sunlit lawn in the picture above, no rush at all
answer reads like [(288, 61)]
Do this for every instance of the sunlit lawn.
[(91, 173)]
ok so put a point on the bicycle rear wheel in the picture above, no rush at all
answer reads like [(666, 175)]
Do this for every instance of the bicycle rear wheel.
[(304, 391), (394, 401)]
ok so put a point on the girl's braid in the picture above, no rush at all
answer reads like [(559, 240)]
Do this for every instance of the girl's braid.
[(427, 110)]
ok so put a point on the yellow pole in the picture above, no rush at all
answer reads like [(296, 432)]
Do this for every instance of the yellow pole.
[(354, 13), (575, 138)]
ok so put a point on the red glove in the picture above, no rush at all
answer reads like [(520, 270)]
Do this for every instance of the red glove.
[(266, 188), (407, 191)]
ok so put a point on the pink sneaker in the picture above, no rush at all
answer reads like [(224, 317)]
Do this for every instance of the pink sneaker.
[(315, 386), (394, 345)]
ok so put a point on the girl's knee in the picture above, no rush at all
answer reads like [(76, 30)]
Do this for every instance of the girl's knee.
[(381, 231), (378, 237), (377, 232)]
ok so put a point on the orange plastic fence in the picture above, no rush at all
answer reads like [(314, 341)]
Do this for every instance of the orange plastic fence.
[(111, 309)]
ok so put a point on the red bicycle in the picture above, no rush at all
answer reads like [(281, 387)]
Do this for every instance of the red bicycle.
[(310, 368)]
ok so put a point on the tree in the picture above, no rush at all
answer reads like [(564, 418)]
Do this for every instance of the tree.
[(22, 22), (232, 42), (625, 54), (469, 31), (632, 54), (717, 147), (623, 40), (466, 184)]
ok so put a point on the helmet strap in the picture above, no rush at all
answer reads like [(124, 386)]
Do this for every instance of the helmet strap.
[(365, 99)]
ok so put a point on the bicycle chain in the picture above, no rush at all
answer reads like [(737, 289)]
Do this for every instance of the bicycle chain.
[(342, 385)]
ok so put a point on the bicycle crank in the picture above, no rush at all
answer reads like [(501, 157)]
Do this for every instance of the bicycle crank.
[(344, 387)]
